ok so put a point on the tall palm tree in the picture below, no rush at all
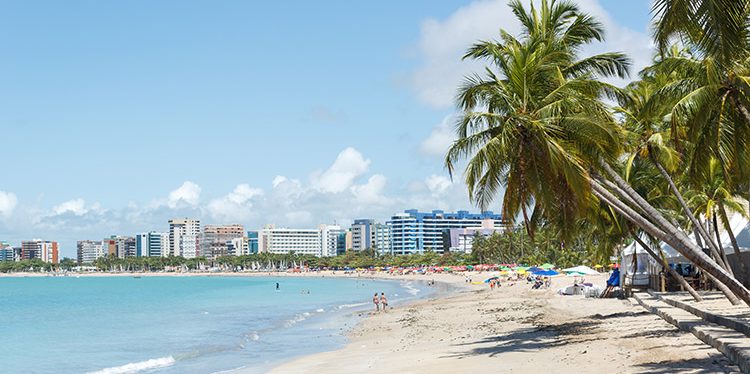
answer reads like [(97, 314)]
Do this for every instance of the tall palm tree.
[(530, 122), (535, 124)]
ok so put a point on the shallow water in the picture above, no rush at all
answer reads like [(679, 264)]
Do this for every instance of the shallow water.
[(178, 324)]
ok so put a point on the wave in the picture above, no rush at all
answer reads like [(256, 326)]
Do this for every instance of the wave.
[(347, 306), (410, 289), (134, 367)]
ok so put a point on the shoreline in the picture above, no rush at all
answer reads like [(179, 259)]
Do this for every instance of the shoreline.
[(512, 329)]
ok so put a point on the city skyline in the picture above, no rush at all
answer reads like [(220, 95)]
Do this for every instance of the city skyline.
[(205, 139)]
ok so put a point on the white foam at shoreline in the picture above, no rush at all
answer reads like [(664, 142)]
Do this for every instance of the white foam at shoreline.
[(134, 367), (410, 289)]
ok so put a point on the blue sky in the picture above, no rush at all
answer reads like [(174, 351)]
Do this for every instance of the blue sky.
[(119, 115)]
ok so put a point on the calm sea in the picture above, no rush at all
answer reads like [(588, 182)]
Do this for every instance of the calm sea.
[(177, 324)]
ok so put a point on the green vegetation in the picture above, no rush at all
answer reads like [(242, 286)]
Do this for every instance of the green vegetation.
[(669, 159)]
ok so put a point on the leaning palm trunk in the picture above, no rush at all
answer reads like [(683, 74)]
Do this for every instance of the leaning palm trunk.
[(676, 238), (733, 239), (702, 230), (728, 285), (721, 247), (663, 262)]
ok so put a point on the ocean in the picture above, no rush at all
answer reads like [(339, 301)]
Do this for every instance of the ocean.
[(178, 324)]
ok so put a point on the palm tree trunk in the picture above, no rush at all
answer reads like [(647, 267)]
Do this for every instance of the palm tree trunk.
[(702, 230), (663, 262), (733, 239), (728, 285), (721, 247)]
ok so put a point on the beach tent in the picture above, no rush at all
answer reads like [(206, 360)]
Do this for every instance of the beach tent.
[(584, 270), (546, 273)]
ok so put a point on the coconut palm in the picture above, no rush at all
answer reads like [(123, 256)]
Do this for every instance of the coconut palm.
[(536, 126), (533, 119)]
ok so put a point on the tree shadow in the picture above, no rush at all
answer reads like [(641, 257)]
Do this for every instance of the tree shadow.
[(528, 339), (694, 366)]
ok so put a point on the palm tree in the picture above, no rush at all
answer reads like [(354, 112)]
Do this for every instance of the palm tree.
[(535, 125), (531, 122)]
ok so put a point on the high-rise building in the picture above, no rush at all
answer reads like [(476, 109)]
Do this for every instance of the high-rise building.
[(382, 238), (6, 252), (460, 240), (323, 241), (252, 242), (152, 244), (238, 246), (120, 246), (417, 232), (218, 238), (330, 236), (89, 250), (363, 234), (45, 250), (184, 237)]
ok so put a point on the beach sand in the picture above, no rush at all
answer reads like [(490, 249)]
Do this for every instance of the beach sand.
[(515, 329)]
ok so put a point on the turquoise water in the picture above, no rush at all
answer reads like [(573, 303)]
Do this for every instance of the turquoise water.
[(177, 324)]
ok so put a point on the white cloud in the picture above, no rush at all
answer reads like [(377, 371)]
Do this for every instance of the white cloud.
[(372, 191), (235, 206), (442, 43), (8, 202), (438, 184), (440, 139), (349, 165), (75, 206), (188, 193)]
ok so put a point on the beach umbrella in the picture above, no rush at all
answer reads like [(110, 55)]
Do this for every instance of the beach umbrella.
[(533, 269), (489, 279), (506, 268), (547, 266), (546, 273), (584, 270), (520, 268)]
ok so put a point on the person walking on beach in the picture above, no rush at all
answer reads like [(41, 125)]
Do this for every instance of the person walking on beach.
[(376, 301), (383, 302)]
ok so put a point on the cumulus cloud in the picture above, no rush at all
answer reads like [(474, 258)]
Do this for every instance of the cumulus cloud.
[(8, 202), (372, 192), (235, 206), (442, 43), (438, 184), (189, 193), (75, 206), (440, 139), (348, 166)]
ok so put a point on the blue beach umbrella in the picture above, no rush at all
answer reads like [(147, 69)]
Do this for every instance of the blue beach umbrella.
[(489, 279), (546, 273)]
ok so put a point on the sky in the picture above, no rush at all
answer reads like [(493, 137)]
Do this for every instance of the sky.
[(117, 116)]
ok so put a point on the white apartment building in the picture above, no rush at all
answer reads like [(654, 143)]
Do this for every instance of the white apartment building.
[(89, 251), (318, 242), (184, 236), (363, 234)]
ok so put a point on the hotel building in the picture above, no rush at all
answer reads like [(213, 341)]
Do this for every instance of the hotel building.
[(89, 250), (217, 240), (45, 250), (417, 232), (323, 241), (184, 237), (152, 244), (363, 234)]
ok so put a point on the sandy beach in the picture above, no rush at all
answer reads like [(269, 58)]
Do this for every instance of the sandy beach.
[(515, 329)]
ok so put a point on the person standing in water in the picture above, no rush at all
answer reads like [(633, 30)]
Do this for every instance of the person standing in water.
[(383, 302), (376, 301), (277, 286)]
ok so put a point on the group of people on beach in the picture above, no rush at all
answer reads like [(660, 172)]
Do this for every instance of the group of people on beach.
[(380, 302)]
